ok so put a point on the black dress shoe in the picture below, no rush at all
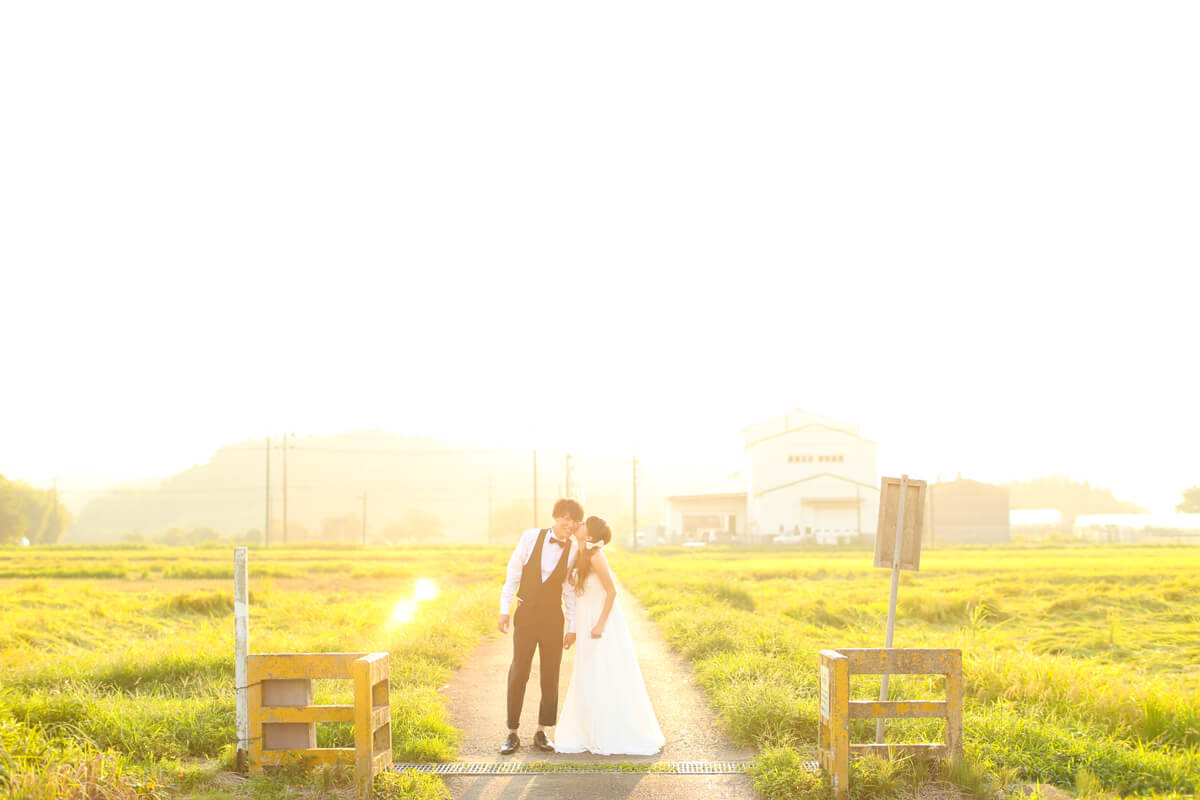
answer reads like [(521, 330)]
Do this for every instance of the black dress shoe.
[(542, 743), (510, 745)]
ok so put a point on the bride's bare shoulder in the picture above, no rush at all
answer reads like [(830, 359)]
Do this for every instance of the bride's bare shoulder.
[(600, 563)]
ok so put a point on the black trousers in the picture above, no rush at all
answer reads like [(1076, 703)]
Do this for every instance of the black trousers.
[(542, 632)]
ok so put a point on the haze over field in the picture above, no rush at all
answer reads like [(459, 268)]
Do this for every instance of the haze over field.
[(968, 230)]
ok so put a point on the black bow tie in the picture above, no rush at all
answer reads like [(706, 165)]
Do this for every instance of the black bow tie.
[(559, 542)]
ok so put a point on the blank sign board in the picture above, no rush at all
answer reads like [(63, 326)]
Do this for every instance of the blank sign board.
[(914, 513)]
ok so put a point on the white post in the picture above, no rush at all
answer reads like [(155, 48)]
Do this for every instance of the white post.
[(891, 620), (241, 628)]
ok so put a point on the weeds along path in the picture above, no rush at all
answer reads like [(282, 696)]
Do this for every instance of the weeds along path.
[(476, 696)]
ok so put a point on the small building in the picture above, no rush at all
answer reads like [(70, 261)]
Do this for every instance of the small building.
[(964, 511), (1035, 523), (705, 517)]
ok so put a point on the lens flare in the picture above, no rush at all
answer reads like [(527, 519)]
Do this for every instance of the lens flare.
[(403, 612), (426, 590)]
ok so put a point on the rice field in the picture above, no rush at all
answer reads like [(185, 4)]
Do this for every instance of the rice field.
[(116, 665), (1081, 664)]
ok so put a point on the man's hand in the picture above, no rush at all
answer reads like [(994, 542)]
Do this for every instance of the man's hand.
[(568, 641), (503, 625)]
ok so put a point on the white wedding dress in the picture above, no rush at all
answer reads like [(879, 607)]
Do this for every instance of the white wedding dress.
[(607, 710)]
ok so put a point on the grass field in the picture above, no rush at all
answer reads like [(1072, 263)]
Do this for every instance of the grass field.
[(1082, 664), (116, 665)]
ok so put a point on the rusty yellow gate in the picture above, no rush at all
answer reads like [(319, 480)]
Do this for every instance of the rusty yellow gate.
[(837, 709), (283, 717)]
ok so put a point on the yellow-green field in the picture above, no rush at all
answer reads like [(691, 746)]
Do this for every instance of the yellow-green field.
[(1082, 664), (122, 676)]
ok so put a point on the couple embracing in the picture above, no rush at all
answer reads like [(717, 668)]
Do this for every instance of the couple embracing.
[(607, 710)]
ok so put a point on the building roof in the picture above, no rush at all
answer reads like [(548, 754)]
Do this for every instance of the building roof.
[(813, 477), (966, 484), (717, 496), (797, 420)]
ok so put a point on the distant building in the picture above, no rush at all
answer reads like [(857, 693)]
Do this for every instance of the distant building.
[(804, 475), (1144, 528), (967, 512), (1036, 523), (705, 517)]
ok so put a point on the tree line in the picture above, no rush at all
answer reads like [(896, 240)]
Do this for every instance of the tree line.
[(30, 514)]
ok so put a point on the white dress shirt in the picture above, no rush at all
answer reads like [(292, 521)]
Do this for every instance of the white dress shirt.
[(550, 556)]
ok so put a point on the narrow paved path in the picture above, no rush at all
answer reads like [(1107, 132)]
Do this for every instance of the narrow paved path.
[(476, 696)]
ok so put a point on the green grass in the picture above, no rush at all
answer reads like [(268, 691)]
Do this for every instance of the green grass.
[(127, 683), (1082, 665)]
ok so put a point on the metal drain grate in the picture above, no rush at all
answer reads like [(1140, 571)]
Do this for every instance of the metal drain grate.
[(568, 768)]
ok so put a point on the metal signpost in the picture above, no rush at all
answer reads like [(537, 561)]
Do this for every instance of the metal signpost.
[(897, 545), (241, 631)]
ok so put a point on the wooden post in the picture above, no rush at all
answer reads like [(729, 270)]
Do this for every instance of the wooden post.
[(891, 619), (954, 703), (364, 740), (241, 632), (839, 729)]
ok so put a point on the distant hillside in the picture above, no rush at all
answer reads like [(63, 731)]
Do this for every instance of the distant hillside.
[(1070, 497), (328, 476)]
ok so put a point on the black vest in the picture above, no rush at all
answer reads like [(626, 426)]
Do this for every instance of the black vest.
[(538, 596)]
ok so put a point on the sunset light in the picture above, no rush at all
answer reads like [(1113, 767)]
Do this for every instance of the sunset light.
[(403, 612)]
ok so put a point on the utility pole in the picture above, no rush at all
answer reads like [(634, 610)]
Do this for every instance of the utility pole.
[(635, 527), (491, 533), (858, 510), (535, 505), (932, 518), (54, 510), (285, 443), (364, 519), (267, 522)]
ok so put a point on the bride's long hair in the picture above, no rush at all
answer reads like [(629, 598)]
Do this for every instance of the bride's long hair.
[(598, 531)]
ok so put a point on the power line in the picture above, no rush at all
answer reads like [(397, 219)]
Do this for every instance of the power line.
[(406, 452), (353, 487)]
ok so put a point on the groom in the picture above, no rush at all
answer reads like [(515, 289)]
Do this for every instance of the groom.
[(537, 574)]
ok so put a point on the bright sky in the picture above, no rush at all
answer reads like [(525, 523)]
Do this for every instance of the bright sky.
[(970, 229)]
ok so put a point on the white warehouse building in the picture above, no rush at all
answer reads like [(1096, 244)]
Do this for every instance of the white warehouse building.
[(803, 474)]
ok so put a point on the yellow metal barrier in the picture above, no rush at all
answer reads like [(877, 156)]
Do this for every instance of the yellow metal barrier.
[(283, 718), (837, 709)]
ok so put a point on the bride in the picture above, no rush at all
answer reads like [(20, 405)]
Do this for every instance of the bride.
[(607, 710)]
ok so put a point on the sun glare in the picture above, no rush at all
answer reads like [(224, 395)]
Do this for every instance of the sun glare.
[(404, 612), (426, 590)]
